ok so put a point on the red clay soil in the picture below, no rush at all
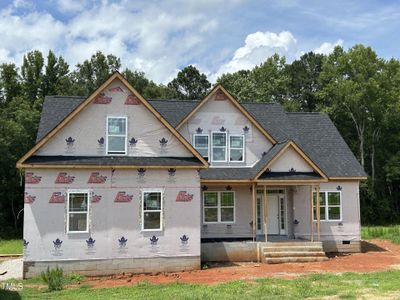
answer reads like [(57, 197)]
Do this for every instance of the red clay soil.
[(377, 255)]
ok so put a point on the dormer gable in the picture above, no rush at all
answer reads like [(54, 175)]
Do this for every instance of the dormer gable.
[(224, 131)]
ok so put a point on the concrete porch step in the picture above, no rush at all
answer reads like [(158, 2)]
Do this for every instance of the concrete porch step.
[(298, 248), (280, 260), (294, 254), (293, 243)]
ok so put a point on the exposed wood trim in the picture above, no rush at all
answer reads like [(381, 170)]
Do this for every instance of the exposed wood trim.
[(349, 178), (265, 214), (311, 214), (253, 191), (85, 103), (300, 152), (236, 104), (319, 215), (38, 166)]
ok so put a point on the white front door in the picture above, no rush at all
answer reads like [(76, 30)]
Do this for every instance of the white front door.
[(273, 214)]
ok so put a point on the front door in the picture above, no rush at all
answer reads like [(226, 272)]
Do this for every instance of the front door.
[(273, 214), (276, 214)]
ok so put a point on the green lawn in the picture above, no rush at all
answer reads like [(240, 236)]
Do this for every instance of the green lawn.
[(11, 246), (391, 233), (316, 286)]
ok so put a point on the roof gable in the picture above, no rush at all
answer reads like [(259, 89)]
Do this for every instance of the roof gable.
[(220, 94), (288, 154), (99, 97)]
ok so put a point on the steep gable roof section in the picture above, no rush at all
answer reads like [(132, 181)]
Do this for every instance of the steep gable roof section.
[(320, 139), (280, 151), (221, 94), (54, 110), (93, 96)]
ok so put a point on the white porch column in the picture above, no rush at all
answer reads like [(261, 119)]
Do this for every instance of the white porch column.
[(265, 213)]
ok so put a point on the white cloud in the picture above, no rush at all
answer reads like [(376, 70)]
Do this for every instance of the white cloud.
[(258, 47), (327, 48)]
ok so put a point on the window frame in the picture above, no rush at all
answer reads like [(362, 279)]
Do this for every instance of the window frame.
[(119, 135), (243, 148), (208, 143), (79, 191), (158, 210), (226, 146), (326, 206), (219, 208)]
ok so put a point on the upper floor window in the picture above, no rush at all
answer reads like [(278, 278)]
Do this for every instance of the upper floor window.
[(219, 146), (116, 135), (330, 206), (236, 148), (201, 144), (78, 211)]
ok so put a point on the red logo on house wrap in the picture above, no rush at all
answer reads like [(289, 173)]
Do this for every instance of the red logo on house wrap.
[(63, 177), (184, 196), (57, 197), (132, 100), (123, 197), (29, 199), (95, 177), (32, 179)]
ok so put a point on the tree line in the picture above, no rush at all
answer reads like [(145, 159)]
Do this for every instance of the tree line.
[(359, 90)]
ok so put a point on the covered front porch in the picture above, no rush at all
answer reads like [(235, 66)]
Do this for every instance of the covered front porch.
[(261, 212)]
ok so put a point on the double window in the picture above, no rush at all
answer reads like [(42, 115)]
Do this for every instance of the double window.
[(221, 149), (218, 207), (116, 135), (152, 210), (78, 211), (330, 206)]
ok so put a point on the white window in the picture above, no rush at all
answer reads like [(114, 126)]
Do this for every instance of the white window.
[(236, 148), (152, 210), (200, 142), (330, 206), (219, 146), (116, 135), (218, 207), (78, 211)]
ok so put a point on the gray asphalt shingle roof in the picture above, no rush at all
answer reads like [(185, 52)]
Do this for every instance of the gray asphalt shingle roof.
[(114, 160), (314, 133)]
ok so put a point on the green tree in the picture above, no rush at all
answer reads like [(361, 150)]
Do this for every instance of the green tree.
[(190, 84), (92, 73), (56, 80), (303, 81), (10, 85), (32, 75)]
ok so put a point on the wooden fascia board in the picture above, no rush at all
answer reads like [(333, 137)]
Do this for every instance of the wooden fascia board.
[(80, 107), (236, 104), (55, 166), (300, 152)]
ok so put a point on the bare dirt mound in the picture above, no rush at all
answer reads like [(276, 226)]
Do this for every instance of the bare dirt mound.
[(378, 255)]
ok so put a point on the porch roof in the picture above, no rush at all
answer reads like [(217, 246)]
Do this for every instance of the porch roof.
[(290, 176)]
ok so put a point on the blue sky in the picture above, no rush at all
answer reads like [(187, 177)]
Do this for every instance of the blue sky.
[(162, 37)]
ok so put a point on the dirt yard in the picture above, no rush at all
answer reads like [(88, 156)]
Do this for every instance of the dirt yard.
[(377, 256)]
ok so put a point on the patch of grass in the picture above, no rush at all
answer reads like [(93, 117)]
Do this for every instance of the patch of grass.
[(391, 233), (316, 286), (13, 246)]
